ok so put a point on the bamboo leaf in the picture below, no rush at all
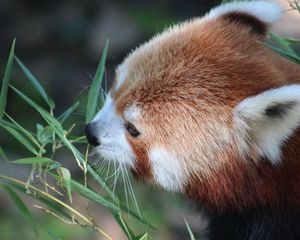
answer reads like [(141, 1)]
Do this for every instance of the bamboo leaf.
[(35, 83), (137, 217), (6, 78), (22, 208), (95, 87), (66, 177), (56, 126), (53, 206), (34, 160), (192, 237), (143, 237), (283, 43), (3, 155), (283, 53), (52, 198), (124, 226), (68, 112), (44, 135), (24, 131), (19, 137), (93, 196), (46, 115)]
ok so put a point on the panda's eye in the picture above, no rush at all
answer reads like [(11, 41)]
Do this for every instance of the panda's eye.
[(132, 129)]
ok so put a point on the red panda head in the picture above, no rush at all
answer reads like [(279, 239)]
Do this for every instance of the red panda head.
[(202, 101)]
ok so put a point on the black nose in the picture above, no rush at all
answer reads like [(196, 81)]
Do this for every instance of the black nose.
[(90, 134)]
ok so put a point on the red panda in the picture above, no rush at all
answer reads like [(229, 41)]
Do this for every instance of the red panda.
[(205, 109)]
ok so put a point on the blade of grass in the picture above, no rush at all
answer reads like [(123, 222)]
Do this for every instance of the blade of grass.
[(6, 78), (34, 160), (22, 208), (95, 87), (35, 83)]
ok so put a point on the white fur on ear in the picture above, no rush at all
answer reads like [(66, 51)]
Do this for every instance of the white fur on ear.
[(268, 119), (267, 12)]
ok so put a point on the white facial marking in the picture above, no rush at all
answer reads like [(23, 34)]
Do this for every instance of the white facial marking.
[(110, 132), (269, 133), (122, 74), (267, 12), (132, 113), (167, 170)]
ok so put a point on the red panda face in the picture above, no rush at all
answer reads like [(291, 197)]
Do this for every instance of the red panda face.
[(187, 104)]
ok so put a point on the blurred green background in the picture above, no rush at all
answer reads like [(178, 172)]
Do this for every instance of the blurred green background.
[(61, 43)]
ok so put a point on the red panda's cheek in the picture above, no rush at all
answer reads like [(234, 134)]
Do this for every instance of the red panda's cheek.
[(141, 168)]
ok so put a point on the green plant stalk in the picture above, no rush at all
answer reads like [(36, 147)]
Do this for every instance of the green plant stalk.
[(72, 210)]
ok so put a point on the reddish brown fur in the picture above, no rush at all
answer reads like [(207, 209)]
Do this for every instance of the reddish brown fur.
[(207, 68)]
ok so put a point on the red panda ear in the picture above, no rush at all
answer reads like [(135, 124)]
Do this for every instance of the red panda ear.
[(268, 119), (257, 15)]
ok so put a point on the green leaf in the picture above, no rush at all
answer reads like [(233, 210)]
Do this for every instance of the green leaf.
[(56, 126), (35, 83), (5, 82), (53, 166), (124, 226), (95, 87), (192, 237), (283, 53), (296, 6), (46, 115), (34, 160), (3, 155), (93, 196), (137, 217), (292, 40), (19, 137), (24, 131), (283, 43), (68, 112), (53, 206), (66, 177), (22, 208), (44, 135), (143, 237)]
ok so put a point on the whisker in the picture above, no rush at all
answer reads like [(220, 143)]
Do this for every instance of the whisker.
[(125, 188), (133, 198)]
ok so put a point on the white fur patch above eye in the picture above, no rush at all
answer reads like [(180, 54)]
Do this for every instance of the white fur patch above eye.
[(269, 119), (121, 76), (267, 12), (132, 113), (167, 170)]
